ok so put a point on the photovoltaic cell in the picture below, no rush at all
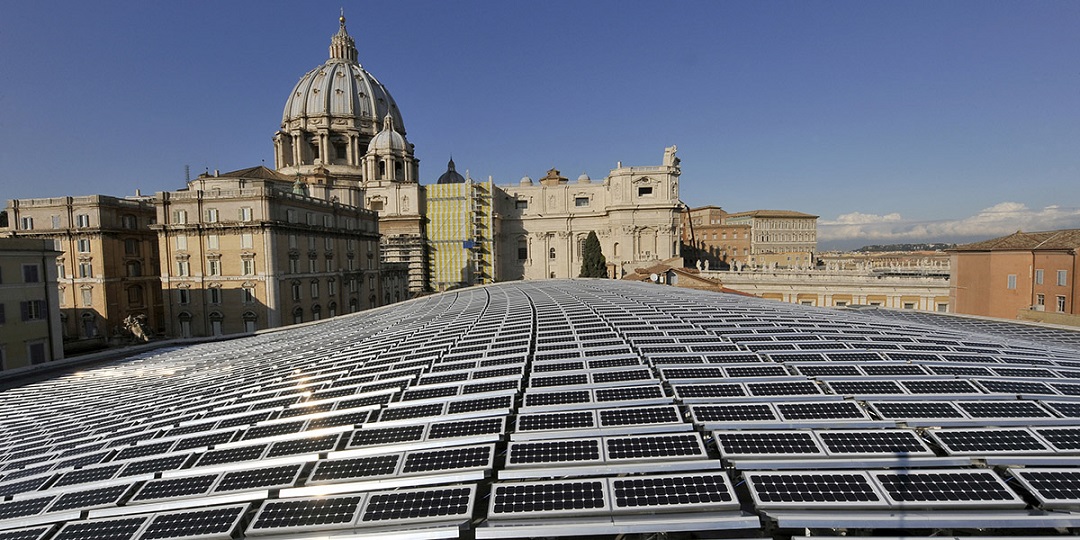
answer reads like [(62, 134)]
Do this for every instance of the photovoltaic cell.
[(988, 441), (175, 487), (766, 443), (91, 498), (1055, 488), (672, 493), (677, 446), (110, 529), (265, 478), (827, 410), (339, 470), (555, 451), (548, 498), (733, 413), (803, 490), (967, 488), (306, 514), (381, 436), (871, 442), (466, 428), (463, 457)]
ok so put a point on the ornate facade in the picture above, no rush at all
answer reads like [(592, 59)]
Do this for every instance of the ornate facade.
[(635, 212)]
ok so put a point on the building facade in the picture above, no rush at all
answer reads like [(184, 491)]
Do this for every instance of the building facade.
[(840, 288), (1018, 273), (460, 226), (713, 242), (780, 238), (635, 212), (30, 331), (249, 250), (108, 269)]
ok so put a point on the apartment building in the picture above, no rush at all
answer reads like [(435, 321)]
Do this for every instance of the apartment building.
[(30, 330)]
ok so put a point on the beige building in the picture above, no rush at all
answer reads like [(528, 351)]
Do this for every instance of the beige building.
[(108, 270), (248, 250), (839, 288), (635, 212), (460, 230), (30, 331), (713, 241), (780, 238), (1029, 274), (343, 135)]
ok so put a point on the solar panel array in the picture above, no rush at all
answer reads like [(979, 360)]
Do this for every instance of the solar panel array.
[(558, 408)]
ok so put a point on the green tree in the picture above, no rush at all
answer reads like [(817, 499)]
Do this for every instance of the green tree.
[(593, 263)]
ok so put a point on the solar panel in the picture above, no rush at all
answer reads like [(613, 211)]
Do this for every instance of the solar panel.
[(264, 478), (555, 421), (838, 490), (790, 388), (382, 436), (35, 533), (23, 507), (209, 524), (854, 388), (575, 451), (639, 416), (943, 386), (466, 428), (417, 505), (988, 441), (1054, 488), (1003, 409), (231, 455), (541, 399), (564, 497), (1062, 439), (341, 470), (961, 488), (90, 498), (826, 410), (759, 444), (111, 529), (170, 488), (670, 493), (732, 413), (306, 514), (873, 443), (916, 409), (661, 447), (310, 445), (449, 459)]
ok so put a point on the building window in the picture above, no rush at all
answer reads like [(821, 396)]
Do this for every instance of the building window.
[(296, 290), (247, 267), (55, 222), (581, 201), (27, 223), (215, 295), (181, 243), (909, 305), (213, 241), (315, 289), (290, 215), (316, 312), (1040, 299), (83, 245), (211, 215), (1062, 278), (31, 273), (298, 316), (1061, 304), (183, 268), (311, 243), (551, 253), (294, 265), (213, 267), (331, 287), (183, 296), (644, 191), (3, 315), (521, 204), (33, 310), (1039, 276), (329, 264), (215, 324), (61, 273), (134, 269), (311, 265), (131, 247), (35, 351), (249, 295), (87, 297), (246, 241), (943, 308), (82, 220), (135, 295), (1012, 281), (179, 217), (86, 270), (292, 241), (185, 325), (129, 221), (249, 322), (245, 214)]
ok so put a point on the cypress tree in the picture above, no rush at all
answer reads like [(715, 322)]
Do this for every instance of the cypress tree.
[(593, 263)]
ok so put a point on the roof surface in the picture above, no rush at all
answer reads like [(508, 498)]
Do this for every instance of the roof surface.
[(1044, 240), (771, 213), (559, 408)]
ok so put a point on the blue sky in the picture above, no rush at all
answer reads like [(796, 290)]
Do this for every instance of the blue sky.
[(893, 121)]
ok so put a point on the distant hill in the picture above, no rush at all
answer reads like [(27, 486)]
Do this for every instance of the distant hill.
[(932, 246)]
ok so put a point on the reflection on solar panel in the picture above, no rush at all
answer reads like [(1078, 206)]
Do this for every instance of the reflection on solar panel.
[(548, 408)]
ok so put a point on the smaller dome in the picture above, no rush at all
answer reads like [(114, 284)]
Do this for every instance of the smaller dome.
[(584, 179), (526, 181), (451, 176), (388, 139)]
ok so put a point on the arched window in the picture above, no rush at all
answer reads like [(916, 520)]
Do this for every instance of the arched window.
[(250, 319), (89, 325), (331, 310), (551, 253), (298, 315), (615, 250), (216, 323), (354, 305), (185, 324), (316, 312), (134, 269)]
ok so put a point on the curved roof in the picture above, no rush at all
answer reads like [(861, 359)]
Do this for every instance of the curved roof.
[(340, 88), (558, 408), (451, 176), (388, 140)]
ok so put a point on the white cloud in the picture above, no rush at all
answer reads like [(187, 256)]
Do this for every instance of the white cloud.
[(998, 220)]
